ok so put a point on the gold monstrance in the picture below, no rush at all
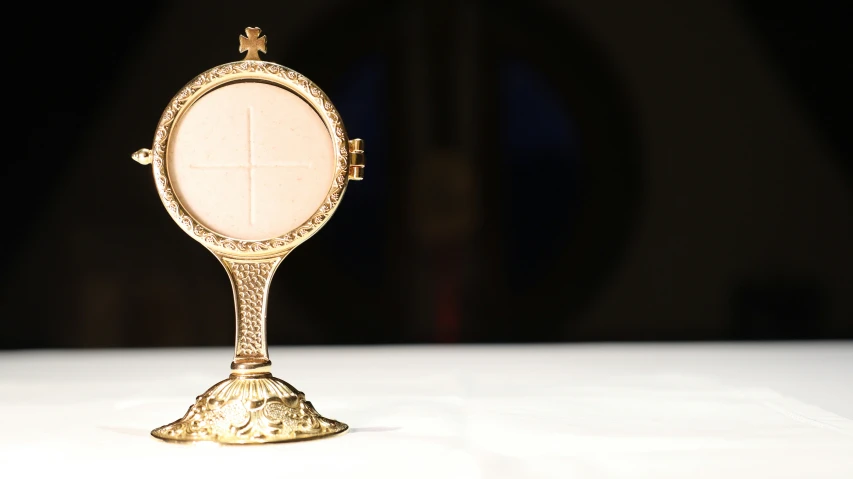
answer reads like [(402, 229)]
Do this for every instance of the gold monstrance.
[(250, 158)]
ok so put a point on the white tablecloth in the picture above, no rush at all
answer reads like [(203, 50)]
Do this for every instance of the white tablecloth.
[(691, 410)]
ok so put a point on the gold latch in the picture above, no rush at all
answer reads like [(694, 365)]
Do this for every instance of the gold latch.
[(142, 156), (356, 159)]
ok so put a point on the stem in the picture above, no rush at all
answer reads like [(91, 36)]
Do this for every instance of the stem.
[(250, 280)]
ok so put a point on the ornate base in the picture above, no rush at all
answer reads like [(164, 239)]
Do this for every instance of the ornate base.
[(250, 409)]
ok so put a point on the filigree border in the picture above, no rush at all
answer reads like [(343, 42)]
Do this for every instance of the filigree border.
[(259, 71)]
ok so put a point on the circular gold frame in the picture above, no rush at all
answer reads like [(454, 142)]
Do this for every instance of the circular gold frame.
[(250, 71)]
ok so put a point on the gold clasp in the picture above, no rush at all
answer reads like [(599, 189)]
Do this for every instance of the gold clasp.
[(142, 156)]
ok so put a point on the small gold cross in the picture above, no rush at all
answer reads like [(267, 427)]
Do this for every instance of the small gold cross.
[(252, 43)]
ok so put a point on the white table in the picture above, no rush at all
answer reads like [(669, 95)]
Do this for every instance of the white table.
[(690, 410)]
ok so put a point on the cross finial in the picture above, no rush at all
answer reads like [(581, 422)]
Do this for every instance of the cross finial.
[(252, 43)]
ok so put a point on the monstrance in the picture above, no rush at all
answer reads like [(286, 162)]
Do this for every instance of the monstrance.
[(251, 158)]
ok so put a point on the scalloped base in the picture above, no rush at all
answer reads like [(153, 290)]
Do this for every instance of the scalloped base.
[(250, 409)]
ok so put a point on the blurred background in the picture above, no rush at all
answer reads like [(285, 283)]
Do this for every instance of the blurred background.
[(538, 171)]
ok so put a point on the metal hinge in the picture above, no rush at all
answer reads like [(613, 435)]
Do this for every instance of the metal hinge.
[(356, 159)]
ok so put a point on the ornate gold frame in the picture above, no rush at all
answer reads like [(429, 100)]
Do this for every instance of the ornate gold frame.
[(251, 406), (250, 70)]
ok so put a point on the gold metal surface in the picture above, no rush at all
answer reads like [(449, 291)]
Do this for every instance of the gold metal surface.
[(356, 173), (251, 281), (270, 73), (142, 156), (252, 43), (356, 159), (251, 406), (250, 409)]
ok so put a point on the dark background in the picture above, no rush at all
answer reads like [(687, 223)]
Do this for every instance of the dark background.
[(537, 172)]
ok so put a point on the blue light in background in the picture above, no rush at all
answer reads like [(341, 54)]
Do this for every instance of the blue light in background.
[(541, 154)]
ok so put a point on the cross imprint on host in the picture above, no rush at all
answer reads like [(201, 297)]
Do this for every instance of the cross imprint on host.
[(251, 166)]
